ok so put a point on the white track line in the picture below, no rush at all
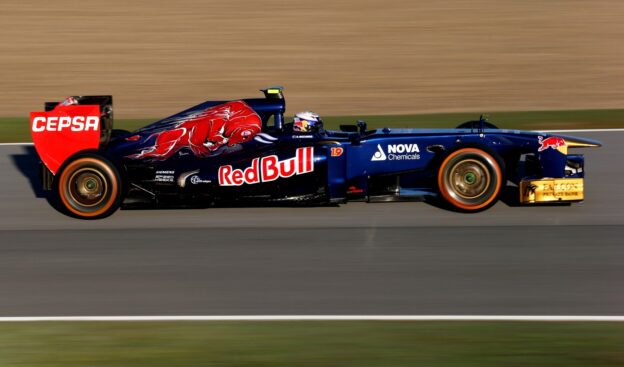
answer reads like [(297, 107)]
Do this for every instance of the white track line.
[(319, 318), (1, 144)]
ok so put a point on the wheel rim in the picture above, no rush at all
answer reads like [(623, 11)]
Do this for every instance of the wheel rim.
[(469, 179), (87, 187)]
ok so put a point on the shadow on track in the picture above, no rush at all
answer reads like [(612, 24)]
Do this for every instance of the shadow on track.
[(511, 198), (28, 164)]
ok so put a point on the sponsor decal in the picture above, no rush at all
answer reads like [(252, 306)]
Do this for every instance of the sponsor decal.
[(558, 189), (164, 176), (397, 152), (196, 180), (60, 123), (552, 142), (183, 176), (303, 136), (336, 151), (268, 168), (67, 129), (354, 190), (379, 154)]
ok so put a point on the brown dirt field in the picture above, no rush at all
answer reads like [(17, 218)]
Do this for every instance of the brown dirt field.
[(335, 57)]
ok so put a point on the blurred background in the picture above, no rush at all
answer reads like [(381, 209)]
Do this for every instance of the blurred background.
[(335, 57)]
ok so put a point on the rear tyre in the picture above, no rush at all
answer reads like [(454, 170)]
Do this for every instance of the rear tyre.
[(470, 179), (89, 187)]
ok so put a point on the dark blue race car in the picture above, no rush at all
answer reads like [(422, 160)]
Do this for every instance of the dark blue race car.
[(243, 152)]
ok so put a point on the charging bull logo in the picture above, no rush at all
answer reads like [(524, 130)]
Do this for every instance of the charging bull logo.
[(552, 142), (228, 124)]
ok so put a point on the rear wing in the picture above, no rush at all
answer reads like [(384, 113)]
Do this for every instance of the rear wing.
[(76, 124), (106, 113)]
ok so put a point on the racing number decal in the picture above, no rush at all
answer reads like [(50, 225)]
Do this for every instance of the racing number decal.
[(336, 151)]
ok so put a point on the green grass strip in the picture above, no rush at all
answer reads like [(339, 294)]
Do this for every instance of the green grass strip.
[(343, 343), (16, 129)]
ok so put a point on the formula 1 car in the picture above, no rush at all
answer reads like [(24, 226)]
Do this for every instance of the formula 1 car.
[(242, 152)]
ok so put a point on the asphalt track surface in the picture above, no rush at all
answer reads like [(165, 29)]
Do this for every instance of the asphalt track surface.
[(356, 259)]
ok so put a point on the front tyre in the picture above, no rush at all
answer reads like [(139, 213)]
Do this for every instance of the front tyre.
[(470, 179), (89, 187)]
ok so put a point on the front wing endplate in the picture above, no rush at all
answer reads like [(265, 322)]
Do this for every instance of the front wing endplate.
[(548, 190)]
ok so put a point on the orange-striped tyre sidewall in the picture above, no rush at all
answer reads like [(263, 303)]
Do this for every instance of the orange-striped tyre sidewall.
[(111, 195), (482, 158)]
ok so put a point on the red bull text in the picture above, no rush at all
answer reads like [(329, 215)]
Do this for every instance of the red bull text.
[(268, 168)]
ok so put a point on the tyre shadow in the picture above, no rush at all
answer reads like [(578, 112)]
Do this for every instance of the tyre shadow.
[(509, 196)]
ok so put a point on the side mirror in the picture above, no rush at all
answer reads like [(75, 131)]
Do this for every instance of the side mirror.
[(349, 128), (355, 139), (361, 124)]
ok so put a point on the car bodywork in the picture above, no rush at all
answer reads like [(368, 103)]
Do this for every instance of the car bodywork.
[(243, 152)]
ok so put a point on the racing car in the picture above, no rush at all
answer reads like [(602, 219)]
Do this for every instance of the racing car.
[(244, 152)]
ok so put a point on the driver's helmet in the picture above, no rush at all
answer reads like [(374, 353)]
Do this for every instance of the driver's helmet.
[(307, 122)]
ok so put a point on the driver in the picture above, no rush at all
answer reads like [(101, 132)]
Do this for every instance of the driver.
[(307, 122)]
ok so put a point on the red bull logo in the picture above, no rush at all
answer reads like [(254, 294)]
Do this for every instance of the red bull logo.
[(227, 124), (268, 168), (552, 142)]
